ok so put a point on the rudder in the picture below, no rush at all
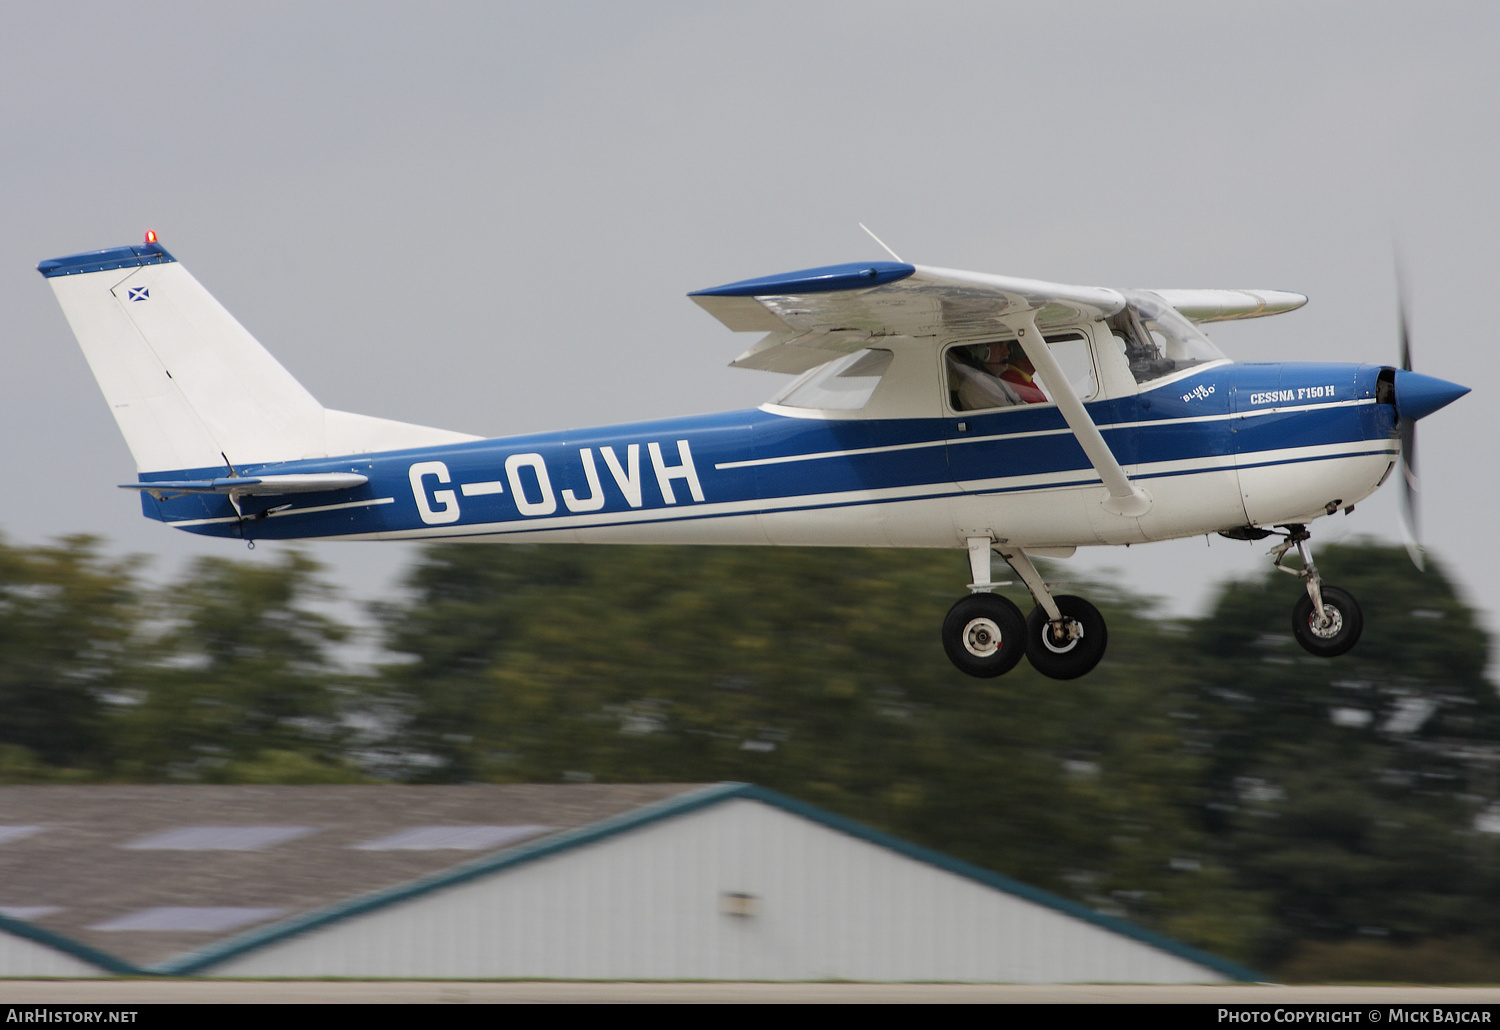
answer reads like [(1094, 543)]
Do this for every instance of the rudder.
[(187, 384)]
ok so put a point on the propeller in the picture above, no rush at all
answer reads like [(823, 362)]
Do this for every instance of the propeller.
[(1406, 432)]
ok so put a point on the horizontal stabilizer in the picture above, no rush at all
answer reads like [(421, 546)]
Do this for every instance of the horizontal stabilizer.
[(254, 486)]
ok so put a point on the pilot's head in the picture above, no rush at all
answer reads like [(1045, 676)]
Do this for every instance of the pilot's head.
[(993, 356), (1002, 354)]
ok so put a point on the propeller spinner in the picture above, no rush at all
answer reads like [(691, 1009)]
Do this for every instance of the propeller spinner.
[(1416, 396)]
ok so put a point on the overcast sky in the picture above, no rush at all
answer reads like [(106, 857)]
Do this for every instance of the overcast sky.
[(485, 216)]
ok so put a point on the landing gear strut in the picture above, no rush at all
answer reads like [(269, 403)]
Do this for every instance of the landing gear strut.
[(1064, 637), (1327, 622)]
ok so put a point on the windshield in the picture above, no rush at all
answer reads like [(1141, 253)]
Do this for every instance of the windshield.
[(1156, 339), (844, 384)]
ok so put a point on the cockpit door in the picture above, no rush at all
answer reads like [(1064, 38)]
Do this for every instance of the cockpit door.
[(1001, 424)]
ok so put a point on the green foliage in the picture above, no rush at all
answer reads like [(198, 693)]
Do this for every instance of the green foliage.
[(20, 765), (1367, 960), (1348, 789), (67, 618), (286, 767), (240, 675), (223, 677)]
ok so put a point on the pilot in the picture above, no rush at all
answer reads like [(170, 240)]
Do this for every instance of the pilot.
[(1009, 363), (1007, 376)]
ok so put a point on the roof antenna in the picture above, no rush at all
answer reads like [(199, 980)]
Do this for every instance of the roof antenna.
[(878, 240)]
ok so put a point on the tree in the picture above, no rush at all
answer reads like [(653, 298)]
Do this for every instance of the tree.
[(1347, 790), (241, 685), (68, 622)]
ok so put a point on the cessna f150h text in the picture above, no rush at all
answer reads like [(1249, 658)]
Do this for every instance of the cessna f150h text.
[(931, 408)]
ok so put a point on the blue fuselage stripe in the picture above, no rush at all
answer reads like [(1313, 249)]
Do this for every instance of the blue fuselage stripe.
[(746, 463)]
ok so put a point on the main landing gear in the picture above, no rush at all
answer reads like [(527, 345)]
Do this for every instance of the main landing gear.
[(1327, 622), (985, 634)]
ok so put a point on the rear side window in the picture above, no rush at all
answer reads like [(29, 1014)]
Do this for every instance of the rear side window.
[(844, 384)]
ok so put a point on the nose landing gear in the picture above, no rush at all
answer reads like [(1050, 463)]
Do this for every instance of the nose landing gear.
[(1327, 622), (984, 635)]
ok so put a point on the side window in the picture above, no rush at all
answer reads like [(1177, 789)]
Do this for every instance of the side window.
[(1077, 361), (999, 375)]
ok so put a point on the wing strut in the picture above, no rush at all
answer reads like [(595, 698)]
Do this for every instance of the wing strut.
[(1125, 498)]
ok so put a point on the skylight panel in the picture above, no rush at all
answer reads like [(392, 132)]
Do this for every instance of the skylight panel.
[(10, 833), (28, 912), (457, 838), (180, 919), (219, 838)]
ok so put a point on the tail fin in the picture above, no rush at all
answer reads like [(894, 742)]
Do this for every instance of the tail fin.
[(189, 387)]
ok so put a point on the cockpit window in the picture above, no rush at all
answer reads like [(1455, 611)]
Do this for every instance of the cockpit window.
[(844, 384), (1156, 339), (999, 375)]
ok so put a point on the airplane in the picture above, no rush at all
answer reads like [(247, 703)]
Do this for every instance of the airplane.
[(931, 408)]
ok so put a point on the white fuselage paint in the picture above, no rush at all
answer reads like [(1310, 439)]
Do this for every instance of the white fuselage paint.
[(1193, 497)]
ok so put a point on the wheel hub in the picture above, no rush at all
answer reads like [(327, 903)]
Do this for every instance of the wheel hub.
[(1334, 622), (982, 638), (1060, 639)]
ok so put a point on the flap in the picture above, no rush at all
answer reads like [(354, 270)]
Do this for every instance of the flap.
[(742, 314)]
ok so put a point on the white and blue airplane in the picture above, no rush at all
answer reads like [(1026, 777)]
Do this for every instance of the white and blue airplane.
[(931, 408)]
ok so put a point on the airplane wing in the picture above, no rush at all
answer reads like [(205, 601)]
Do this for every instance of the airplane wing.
[(822, 312), (817, 314)]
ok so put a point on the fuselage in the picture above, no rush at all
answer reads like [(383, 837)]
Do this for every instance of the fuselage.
[(1224, 446)]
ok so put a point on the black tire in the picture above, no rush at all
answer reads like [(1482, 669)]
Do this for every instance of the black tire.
[(984, 635), (1077, 656), (1348, 624)]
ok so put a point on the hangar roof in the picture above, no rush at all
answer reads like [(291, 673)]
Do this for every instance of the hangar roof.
[(179, 879), (143, 873)]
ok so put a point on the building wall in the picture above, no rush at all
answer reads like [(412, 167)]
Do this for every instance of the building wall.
[(648, 904), (22, 957)]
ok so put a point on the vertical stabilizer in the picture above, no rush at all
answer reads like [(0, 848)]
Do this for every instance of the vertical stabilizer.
[(187, 384)]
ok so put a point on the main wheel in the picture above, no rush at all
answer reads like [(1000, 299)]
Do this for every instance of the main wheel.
[(984, 635), (1073, 655), (1346, 622)]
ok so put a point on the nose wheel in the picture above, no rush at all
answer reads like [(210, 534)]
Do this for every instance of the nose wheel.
[(1336, 632), (985, 634), (1326, 621)]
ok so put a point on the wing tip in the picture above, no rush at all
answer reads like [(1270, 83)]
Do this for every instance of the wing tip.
[(1228, 305), (826, 279)]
